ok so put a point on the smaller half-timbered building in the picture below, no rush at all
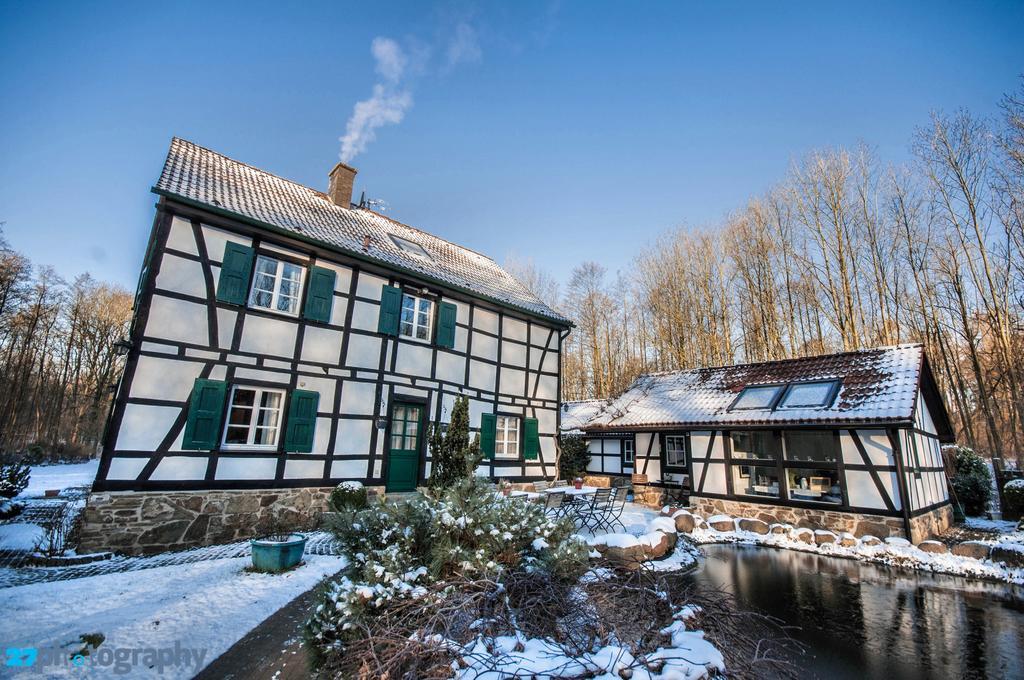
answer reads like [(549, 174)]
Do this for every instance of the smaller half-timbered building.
[(285, 340), (849, 441)]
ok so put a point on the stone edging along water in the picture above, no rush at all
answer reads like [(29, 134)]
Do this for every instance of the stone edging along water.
[(996, 561)]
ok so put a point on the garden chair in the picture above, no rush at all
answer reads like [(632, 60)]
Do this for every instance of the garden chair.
[(616, 507), (541, 487), (554, 505), (559, 483), (595, 517)]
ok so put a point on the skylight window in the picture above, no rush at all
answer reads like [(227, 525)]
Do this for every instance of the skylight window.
[(810, 394), (410, 247), (757, 397)]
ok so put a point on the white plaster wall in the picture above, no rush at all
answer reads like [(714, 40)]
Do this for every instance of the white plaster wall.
[(246, 468), (143, 427), (513, 381), (177, 320), (363, 352), (180, 467), (180, 236), (485, 320), (225, 327), (481, 376), (413, 359), (349, 469), (125, 468), (358, 398), (364, 315), (485, 347), (159, 378), (216, 238), (181, 276), (370, 285), (304, 469), (514, 329), (513, 353), (353, 437), (321, 345), (876, 444), (266, 335), (451, 367)]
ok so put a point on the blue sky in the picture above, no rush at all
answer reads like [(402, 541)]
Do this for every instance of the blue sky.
[(564, 131)]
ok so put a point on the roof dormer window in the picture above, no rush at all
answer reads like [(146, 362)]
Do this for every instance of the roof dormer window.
[(410, 247), (817, 394), (757, 397)]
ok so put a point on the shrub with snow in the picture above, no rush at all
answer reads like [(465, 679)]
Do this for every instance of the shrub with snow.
[(1013, 495), (348, 496), (972, 481), (13, 479)]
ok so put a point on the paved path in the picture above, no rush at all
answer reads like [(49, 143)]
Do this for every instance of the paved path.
[(319, 543)]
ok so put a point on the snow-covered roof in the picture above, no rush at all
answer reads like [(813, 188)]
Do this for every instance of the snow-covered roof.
[(576, 413), (200, 176), (876, 385)]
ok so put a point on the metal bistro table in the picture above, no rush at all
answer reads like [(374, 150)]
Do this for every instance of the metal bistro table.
[(576, 502)]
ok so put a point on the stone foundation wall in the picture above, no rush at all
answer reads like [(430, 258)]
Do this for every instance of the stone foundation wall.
[(147, 522), (931, 523), (811, 518)]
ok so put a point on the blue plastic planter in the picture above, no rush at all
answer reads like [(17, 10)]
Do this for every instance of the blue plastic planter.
[(276, 556)]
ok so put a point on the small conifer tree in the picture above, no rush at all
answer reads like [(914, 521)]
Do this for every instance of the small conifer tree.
[(453, 456)]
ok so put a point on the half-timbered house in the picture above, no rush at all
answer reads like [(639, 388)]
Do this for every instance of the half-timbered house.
[(847, 441), (285, 340)]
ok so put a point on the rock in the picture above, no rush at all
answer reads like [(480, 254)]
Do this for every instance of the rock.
[(847, 540), (754, 525), (822, 537), (975, 549), (164, 534), (936, 547), (722, 523), (197, 530), (630, 557), (685, 522), (1010, 554), (898, 542), (870, 529), (669, 510), (803, 535), (658, 544), (780, 528), (767, 518), (808, 524), (869, 540)]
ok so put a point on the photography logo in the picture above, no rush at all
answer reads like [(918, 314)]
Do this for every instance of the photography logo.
[(119, 660)]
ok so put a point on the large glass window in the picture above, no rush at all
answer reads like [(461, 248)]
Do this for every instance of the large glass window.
[(819, 446), (755, 480), (628, 451), (506, 439), (254, 418), (410, 247), (813, 484), (758, 397), (417, 317), (276, 285), (810, 395), (675, 450), (755, 445)]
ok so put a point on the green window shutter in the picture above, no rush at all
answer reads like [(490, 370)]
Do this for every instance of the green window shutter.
[(390, 310), (298, 437), (531, 439), (446, 324), (205, 410), (319, 295), (488, 433), (233, 285)]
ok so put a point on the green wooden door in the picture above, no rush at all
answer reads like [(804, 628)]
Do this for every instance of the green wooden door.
[(404, 447)]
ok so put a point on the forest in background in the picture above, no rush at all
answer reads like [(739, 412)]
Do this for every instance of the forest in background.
[(58, 359), (845, 252)]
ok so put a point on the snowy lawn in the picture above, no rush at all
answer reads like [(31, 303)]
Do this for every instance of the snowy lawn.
[(204, 607), (23, 536), (43, 477)]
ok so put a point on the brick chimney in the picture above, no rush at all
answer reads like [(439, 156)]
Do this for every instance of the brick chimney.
[(339, 187)]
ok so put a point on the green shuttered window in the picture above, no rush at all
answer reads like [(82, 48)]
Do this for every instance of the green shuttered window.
[(488, 426), (320, 295), (390, 310), (301, 421), (446, 325), (205, 409), (531, 439), (233, 284)]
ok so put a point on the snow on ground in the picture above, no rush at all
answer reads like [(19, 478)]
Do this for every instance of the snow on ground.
[(1002, 526), (43, 477), (205, 607), (22, 536), (893, 552)]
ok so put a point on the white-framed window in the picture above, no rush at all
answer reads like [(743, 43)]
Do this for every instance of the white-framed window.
[(254, 418), (506, 437), (628, 451), (417, 318), (276, 285), (675, 450), (410, 247)]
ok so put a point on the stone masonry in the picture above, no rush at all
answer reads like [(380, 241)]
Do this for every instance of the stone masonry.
[(855, 523), (147, 522)]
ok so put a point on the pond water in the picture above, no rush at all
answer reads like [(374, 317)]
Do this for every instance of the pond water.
[(863, 621)]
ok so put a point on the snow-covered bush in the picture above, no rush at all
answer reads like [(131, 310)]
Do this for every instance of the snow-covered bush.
[(972, 481), (9, 508), (410, 551), (453, 456), (1013, 495), (13, 479), (348, 496)]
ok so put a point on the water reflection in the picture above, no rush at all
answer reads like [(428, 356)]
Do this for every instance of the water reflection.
[(866, 621)]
